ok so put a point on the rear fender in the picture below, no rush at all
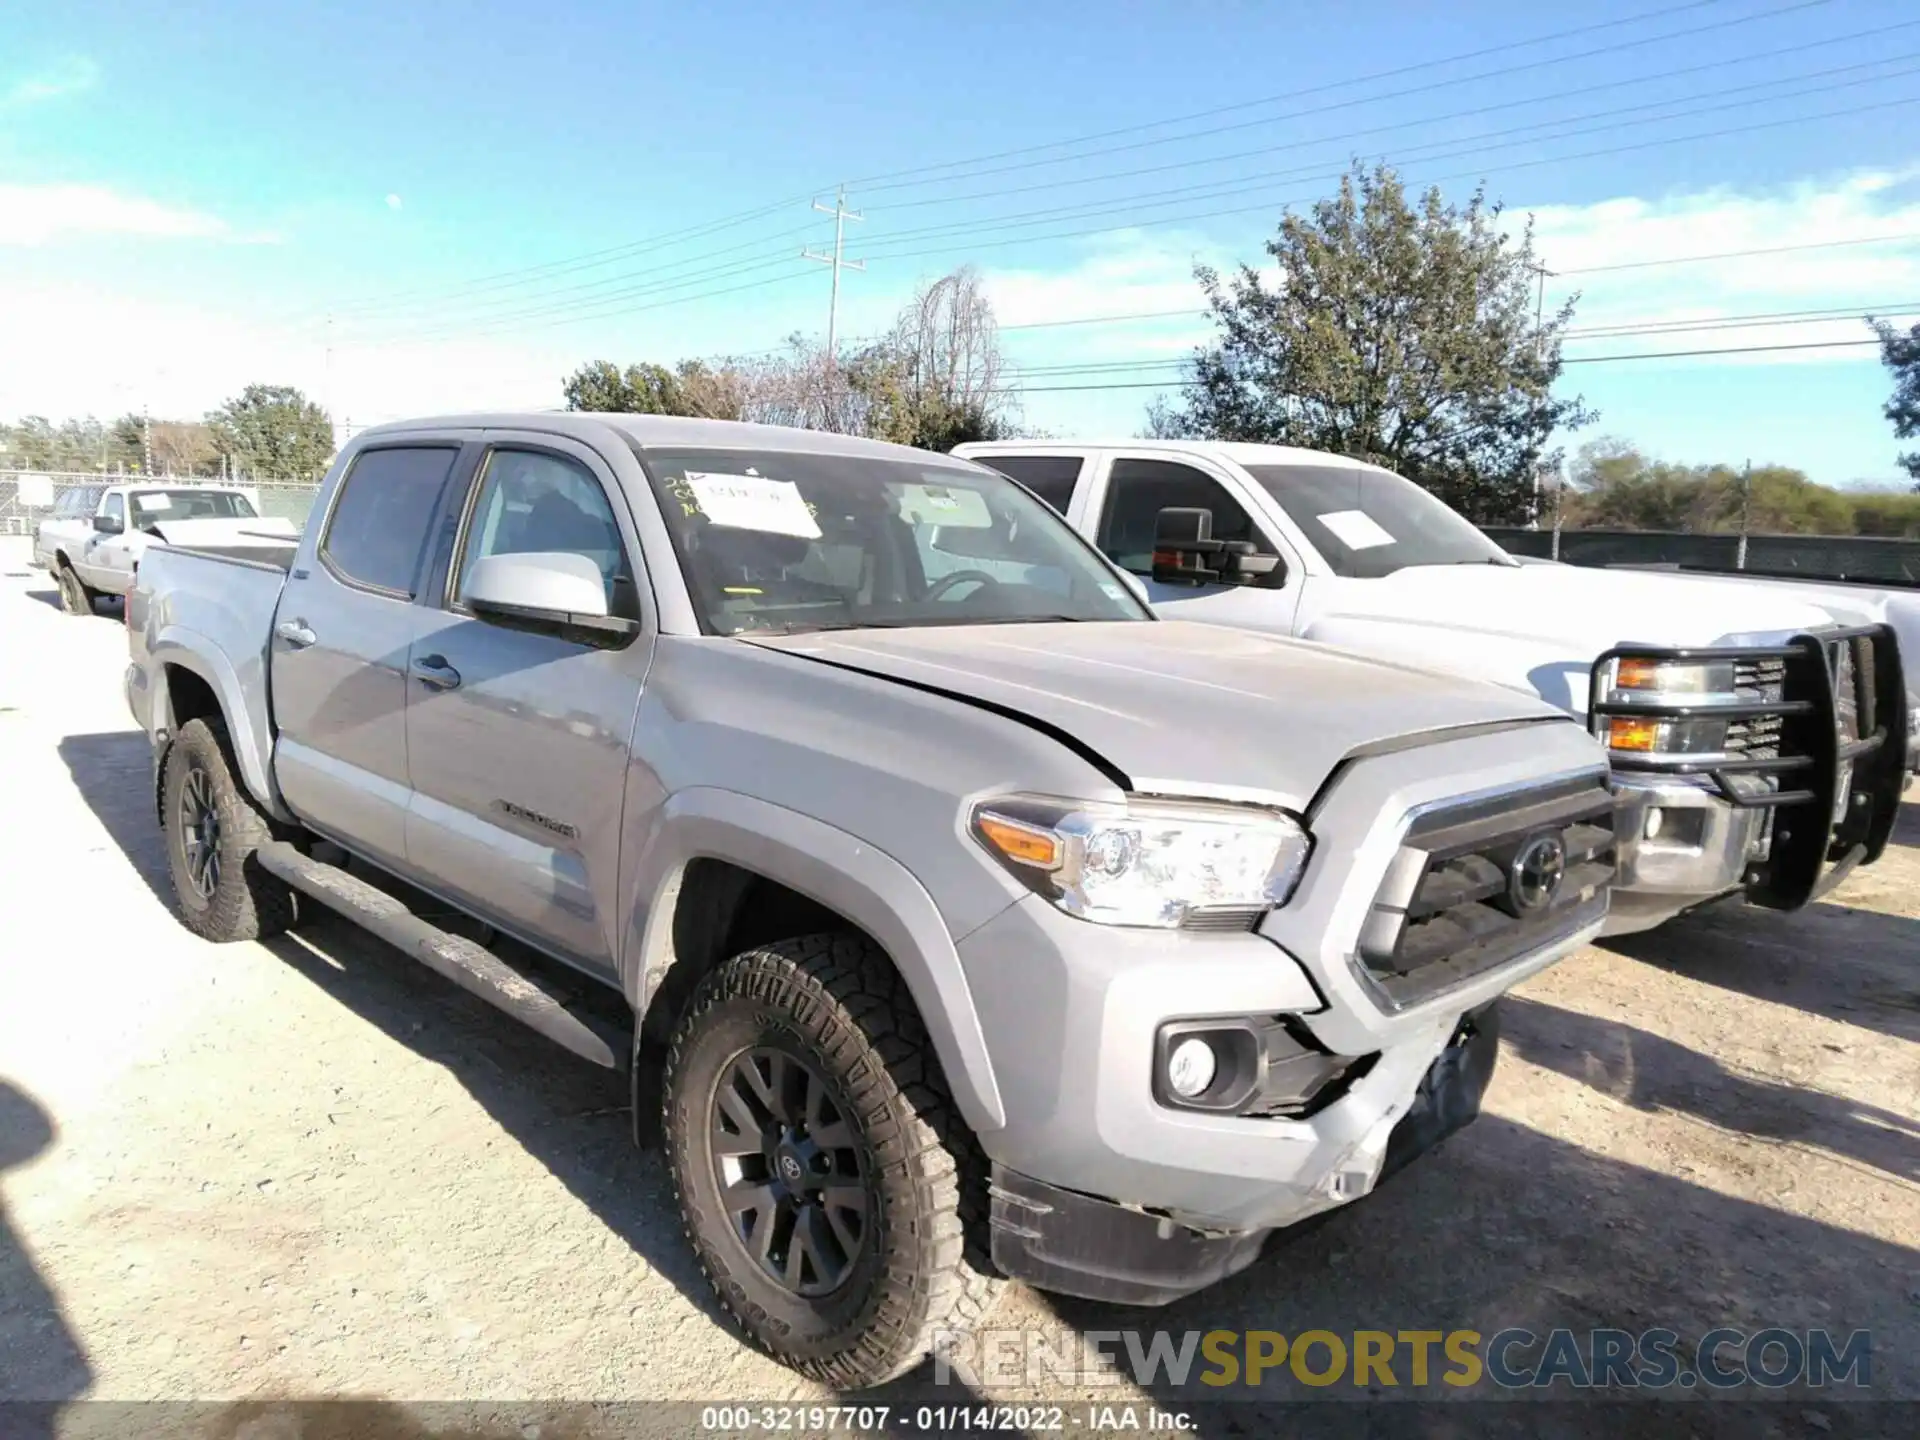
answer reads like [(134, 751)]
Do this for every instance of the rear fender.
[(248, 728)]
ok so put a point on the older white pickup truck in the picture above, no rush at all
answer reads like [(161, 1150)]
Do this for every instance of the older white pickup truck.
[(1759, 736), (93, 540)]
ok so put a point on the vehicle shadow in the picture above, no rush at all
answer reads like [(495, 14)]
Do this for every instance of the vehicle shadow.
[(1502, 1227), (113, 771), (1906, 825), (41, 1362), (1832, 960), (1652, 1073)]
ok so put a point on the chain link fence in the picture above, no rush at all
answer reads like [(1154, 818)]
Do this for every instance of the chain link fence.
[(28, 496)]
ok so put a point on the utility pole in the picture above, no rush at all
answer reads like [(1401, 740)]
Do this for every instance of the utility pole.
[(1539, 315), (838, 262), (1746, 507)]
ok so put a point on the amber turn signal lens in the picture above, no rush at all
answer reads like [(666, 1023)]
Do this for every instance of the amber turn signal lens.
[(1636, 675), (1624, 733), (1024, 843)]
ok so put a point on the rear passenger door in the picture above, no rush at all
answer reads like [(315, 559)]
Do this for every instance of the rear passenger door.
[(519, 740), (340, 647), (1128, 499)]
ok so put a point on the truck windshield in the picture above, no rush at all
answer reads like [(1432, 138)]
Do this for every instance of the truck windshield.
[(153, 507), (779, 542), (1367, 523)]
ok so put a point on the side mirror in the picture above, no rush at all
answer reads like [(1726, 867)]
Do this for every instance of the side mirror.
[(1185, 553), (109, 524), (548, 591)]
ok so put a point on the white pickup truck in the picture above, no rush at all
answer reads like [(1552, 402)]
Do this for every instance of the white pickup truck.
[(1760, 741), (93, 540)]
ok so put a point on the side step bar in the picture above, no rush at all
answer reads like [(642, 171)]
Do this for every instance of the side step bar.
[(472, 967)]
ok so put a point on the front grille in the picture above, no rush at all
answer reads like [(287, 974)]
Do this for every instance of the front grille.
[(1479, 883)]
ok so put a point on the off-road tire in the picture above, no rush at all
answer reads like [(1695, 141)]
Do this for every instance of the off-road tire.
[(838, 1004), (247, 903), (75, 597)]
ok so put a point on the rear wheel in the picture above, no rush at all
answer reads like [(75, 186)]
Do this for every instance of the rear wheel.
[(75, 597), (213, 829), (819, 1163)]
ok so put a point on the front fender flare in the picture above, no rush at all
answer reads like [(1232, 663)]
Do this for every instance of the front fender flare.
[(843, 873)]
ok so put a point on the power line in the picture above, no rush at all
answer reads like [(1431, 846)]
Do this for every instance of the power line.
[(1580, 360), (1531, 100), (1398, 93), (885, 179), (837, 260)]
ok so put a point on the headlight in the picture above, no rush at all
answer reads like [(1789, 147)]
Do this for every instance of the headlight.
[(1628, 681), (1153, 863)]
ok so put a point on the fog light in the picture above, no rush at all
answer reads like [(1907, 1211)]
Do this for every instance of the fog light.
[(1655, 819), (1191, 1067)]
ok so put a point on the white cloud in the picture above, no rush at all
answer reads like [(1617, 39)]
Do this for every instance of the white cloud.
[(1803, 270), (66, 77), (95, 352), (36, 214), (393, 202)]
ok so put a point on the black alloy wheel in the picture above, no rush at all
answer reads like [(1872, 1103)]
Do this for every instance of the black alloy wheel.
[(790, 1170)]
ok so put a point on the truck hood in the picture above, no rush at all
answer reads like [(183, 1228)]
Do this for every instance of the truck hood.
[(254, 530), (1582, 610), (1180, 708)]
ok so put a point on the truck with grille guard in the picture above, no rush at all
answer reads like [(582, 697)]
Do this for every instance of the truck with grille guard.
[(955, 917), (1761, 734)]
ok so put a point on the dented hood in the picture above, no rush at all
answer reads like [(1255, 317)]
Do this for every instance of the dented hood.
[(1180, 708)]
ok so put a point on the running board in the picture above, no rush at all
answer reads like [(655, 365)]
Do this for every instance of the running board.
[(472, 967)]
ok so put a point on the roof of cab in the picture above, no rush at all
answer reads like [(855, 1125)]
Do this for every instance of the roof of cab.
[(1239, 451), (664, 432)]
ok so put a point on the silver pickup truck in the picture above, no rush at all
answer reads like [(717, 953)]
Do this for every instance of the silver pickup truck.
[(968, 927)]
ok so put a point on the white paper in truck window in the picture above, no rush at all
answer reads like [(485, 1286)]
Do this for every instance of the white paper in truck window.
[(158, 501), (1355, 529), (753, 502), (938, 505)]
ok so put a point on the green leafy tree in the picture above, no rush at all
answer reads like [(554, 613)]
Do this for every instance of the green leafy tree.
[(1617, 487), (273, 431), (693, 388), (1402, 332), (1901, 355)]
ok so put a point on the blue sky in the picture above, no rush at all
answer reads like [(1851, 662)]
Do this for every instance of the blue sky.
[(186, 192)]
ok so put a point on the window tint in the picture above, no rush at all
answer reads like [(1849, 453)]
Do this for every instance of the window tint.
[(152, 506), (530, 502), (1138, 490), (379, 523), (116, 507), (1051, 477)]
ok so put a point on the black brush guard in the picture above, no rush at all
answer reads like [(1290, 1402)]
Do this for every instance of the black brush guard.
[(1812, 849)]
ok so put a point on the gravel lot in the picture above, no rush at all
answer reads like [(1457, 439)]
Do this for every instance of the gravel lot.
[(311, 1168)]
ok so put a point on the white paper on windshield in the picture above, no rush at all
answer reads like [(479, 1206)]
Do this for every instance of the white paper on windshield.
[(938, 505), (158, 501), (752, 502), (1355, 529)]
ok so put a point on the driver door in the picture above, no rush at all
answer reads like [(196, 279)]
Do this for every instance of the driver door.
[(1129, 499)]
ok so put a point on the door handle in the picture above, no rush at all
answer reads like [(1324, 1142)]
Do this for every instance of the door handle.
[(435, 673), (295, 633)]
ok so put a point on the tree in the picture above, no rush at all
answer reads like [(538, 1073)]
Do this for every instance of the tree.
[(647, 389), (1399, 333), (937, 376), (1901, 355), (274, 432)]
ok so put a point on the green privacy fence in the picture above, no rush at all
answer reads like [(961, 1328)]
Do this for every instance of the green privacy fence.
[(1867, 558)]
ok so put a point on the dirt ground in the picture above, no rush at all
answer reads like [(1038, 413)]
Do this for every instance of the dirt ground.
[(312, 1168)]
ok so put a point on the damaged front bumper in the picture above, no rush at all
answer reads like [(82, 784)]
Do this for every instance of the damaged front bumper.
[(1083, 1245)]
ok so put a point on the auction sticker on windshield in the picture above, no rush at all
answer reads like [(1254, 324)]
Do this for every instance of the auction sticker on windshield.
[(1355, 529), (752, 502)]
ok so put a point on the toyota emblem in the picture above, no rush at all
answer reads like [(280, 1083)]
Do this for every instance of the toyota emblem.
[(1533, 879)]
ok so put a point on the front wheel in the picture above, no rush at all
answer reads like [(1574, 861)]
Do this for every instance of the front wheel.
[(75, 597), (213, 829), (819, 1163)]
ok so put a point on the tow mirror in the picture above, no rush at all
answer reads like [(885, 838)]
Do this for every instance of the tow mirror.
[(1185, 553)]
